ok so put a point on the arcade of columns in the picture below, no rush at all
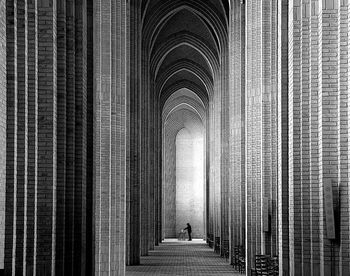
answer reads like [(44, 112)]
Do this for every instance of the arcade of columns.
[(94, 92)]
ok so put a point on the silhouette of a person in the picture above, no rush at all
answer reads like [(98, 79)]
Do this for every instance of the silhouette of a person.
[(189, 231)]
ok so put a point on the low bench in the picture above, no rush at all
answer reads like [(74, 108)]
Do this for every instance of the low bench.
[(238, 260), (217, 245), (265, 265), (226, 249), (210, 240)]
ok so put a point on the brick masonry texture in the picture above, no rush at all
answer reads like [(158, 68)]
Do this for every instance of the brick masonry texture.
[(36, 140), (2, 128), (261, 129), (237, 127), (94, 93), (283, 129), (109, 134)]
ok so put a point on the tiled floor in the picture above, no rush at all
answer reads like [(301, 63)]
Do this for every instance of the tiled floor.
[(182, 258)]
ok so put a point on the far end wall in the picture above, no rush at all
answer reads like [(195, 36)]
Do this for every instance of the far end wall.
[(189, 183)]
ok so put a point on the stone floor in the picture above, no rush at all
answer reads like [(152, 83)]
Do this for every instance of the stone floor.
[(174, 257)]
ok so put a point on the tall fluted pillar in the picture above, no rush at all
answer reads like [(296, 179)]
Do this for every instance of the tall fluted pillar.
[(237, 125), (47, 137), (2, 128), (283, 128), (110, 75), (133, 235)]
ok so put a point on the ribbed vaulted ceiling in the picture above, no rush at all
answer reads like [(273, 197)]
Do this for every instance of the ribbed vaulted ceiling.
[(183, 41)]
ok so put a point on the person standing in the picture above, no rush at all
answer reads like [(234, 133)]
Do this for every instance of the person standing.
[(189, 231)]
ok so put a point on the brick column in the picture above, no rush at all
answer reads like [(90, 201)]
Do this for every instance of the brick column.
[(343, 134), (134, 148), (225, 129), (61, 135), (124, 72), (261, 130), (110, 75), (328, 95), (145, 185), (269, 127), (22, 137), (295, 137), (80, 137), (158, 176), (11, 134), (2, 129), (314, 140), (283, 128), (47, 113), (32, 36), (237, 126), (253, 131), (305, 137), (215, 196), (151, 177), (319, 79), (70, 136), (273, 131), (90, 142)]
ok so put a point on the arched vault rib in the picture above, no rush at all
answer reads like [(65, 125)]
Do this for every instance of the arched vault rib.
[(184, 92), (204, 10), (179, 39), (182, 103), (164, 95), (184, 96), (186, 65), (206, 28)]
